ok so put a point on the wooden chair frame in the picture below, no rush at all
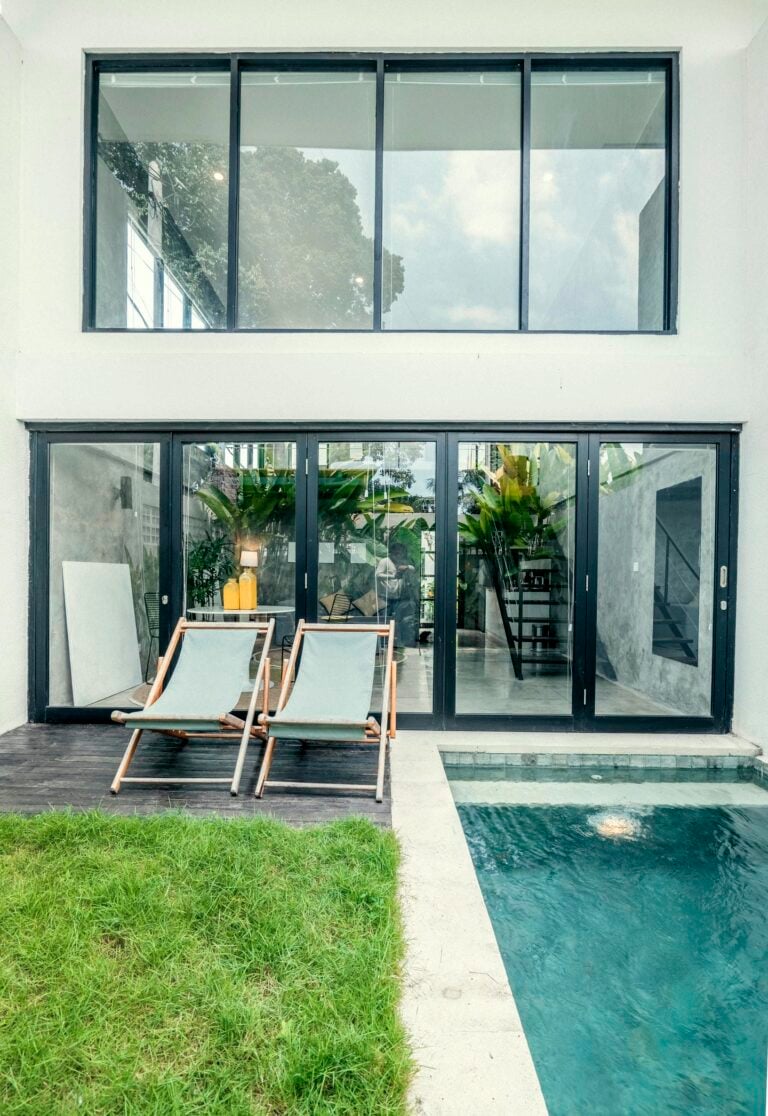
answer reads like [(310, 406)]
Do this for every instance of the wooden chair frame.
[(232, 727), (374, 732)]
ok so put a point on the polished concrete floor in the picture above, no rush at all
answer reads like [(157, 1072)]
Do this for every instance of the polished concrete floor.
[(486, 684)]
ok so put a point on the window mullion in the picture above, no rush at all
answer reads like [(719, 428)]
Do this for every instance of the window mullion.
[(525, 188), (378, 232), (234, 176)]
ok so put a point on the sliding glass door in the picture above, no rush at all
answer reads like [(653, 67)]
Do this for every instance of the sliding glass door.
[(372, 547), (537, 579), (516, 550), (105, 612), (242, 513), (662, 576)]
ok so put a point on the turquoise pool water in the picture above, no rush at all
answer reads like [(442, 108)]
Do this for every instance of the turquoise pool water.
[(639, 962)]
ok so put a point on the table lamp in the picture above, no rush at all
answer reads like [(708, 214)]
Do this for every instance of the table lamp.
[(249, 560)]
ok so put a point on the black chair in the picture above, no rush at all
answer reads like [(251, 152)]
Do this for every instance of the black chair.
[(152, 608), (337, 608)]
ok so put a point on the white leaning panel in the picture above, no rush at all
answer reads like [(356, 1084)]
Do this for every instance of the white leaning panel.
[(101, 630)]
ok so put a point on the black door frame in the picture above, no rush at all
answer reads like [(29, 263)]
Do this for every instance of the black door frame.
[(446, 436)]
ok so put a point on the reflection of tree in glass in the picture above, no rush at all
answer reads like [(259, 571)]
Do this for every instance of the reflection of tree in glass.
[(304, 259), (193, 212)]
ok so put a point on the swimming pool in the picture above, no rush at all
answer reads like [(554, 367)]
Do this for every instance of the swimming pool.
[(635, 938)]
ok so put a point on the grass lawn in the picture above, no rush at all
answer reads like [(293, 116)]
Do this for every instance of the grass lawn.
[(176, 965)]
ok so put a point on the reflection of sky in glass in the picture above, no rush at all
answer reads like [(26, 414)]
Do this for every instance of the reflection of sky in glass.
[(417, 458), (597, 199), (453, 217), (585, 235)]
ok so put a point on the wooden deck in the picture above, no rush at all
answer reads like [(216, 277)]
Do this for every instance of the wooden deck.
[(45, 767)]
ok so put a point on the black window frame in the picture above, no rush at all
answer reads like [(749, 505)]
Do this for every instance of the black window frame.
[(523, 62)]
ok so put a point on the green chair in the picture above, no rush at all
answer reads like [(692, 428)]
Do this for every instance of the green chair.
[(330, 699), (205, 684)]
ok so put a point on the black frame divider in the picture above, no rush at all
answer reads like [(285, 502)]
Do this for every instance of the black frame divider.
[(446, 437), (525, 191), (237, 63), (233, 234)]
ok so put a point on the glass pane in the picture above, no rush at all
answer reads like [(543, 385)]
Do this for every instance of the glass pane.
[(451, 200), (655, 589), (514, 600), (104, 563), (376, 531), (598, 154), (162, 200), (307, 170), (240, 534)]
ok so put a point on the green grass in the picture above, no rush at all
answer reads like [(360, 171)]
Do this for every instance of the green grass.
[(175, 965)]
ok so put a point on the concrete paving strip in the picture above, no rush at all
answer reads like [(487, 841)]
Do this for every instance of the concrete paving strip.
[(467, 1039), (583, 743), (505, 792)]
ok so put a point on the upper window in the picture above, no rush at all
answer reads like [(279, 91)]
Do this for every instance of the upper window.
[(451, 199), (364, 193), (598, 199), (307, 175), (161, 171)]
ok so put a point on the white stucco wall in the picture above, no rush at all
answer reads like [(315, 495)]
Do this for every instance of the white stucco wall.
[(703, 373), (751, 711), (13, 456), (697, 375)]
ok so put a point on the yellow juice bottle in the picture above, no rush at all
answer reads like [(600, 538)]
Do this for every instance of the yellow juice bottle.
[(248, 590), (230, 594)]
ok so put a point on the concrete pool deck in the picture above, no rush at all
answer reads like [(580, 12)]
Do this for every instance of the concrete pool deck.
[(642, 795), (468, 1042), (467, 1039), (592, 743)]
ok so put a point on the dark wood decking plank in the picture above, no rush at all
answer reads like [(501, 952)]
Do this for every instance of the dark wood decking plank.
[(45, 767)]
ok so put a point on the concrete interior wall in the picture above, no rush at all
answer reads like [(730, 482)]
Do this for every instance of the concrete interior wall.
[(13, 439)]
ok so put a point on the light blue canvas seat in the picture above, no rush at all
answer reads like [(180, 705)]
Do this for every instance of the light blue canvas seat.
[(206, 682), (204, 686), (331, 697)]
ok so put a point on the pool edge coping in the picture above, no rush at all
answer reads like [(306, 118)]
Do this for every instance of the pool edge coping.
[(457, 1004)]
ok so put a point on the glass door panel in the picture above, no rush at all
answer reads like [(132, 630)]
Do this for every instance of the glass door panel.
[(376, 549), (516, 525), (239, 533), (656, 579), (104, 572)]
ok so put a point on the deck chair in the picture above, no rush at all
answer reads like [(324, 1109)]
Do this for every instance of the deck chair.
[(205, 684), (330, 699)]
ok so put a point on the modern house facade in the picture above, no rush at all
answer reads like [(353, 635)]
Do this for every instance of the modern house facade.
[(401, 315)]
